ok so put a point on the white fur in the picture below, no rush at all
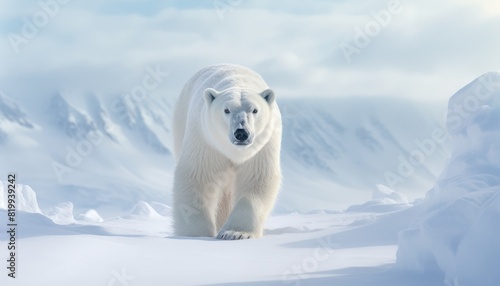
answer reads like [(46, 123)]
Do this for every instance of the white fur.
[(222, 189)]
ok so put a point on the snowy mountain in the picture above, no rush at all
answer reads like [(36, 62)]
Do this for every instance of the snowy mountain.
[(107, 152), (340, 149), (72, 122), (11, 116)]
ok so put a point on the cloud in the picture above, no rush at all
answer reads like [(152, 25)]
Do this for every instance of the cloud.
[(428, 51)]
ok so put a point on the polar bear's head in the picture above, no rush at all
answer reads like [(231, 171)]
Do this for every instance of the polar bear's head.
[(237, 121)]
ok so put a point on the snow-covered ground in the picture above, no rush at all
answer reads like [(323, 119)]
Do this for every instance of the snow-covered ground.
[(138, 249)]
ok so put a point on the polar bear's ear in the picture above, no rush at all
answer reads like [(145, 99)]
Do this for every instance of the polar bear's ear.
[(210, 94), (268, 95)]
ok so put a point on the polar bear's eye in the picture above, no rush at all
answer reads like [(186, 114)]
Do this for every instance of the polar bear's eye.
[(226, 111), (255, 111)]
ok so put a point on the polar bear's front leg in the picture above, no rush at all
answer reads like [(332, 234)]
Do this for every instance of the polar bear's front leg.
[(195, 205), (256, 192)]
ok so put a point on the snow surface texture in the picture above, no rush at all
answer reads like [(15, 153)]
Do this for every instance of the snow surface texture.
[(138, 249), (458, 232), (106, 152)]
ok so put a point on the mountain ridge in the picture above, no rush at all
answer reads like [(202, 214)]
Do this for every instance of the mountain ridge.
[(347, 143)]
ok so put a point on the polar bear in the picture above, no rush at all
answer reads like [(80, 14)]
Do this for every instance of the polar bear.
[(227, 140)]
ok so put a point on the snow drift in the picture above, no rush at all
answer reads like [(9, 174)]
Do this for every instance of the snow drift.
[(143, 210), (383, 200), (25, 198), (458, 234), (61, 213), (90, 216)]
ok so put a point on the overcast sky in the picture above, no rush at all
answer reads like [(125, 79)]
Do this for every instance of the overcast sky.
[(417, 49)]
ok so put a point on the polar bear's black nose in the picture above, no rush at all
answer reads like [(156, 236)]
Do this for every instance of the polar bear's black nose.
[(241, 134)]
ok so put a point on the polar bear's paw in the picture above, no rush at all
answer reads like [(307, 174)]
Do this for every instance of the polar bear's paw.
[(234, 235)]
